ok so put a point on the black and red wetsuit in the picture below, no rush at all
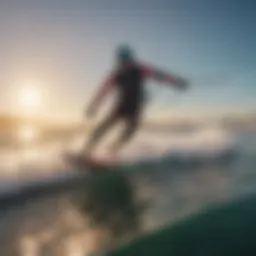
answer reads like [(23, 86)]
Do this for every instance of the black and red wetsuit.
[(129, 81)]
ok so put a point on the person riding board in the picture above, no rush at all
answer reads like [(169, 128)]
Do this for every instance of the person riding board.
[(128, 79)]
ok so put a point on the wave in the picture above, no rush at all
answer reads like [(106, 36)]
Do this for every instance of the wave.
[(207, 142), (205, 146)]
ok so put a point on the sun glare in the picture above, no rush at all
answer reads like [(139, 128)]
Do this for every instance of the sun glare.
[(30, 97)]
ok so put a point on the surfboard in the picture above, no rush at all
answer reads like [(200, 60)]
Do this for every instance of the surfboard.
[(94, 163)]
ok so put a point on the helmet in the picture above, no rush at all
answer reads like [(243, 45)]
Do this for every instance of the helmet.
[(124, 53)]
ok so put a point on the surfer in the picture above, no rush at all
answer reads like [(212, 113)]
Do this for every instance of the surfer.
[(128, 80)]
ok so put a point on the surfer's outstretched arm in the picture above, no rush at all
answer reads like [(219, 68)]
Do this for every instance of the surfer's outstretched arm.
[(162, 76), (101, 94)]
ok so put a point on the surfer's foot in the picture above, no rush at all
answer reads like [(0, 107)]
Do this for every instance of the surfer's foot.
[(114, 150), (86, 153)]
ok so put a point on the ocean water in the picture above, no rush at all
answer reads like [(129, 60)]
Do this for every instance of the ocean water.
[(34, 161), (55, 225)]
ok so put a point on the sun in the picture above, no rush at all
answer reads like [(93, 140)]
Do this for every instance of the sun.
[(29, 97)]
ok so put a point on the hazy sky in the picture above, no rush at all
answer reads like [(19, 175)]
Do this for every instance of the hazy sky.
[(66, 47)]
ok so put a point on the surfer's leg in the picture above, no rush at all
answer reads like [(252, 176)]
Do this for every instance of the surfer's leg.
[(131, 127), (100, 131)]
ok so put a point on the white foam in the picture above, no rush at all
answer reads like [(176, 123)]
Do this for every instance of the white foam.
[(203, 142), (45, 163)]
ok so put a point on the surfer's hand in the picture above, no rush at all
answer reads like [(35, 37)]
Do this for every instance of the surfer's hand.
[(182, 84), (90, 112)]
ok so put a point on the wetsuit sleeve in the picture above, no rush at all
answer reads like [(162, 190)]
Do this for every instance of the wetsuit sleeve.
[(161, 76), (102, 92)]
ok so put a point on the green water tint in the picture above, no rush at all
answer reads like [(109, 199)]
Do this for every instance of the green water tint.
[(110, 202), (223, 230)]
